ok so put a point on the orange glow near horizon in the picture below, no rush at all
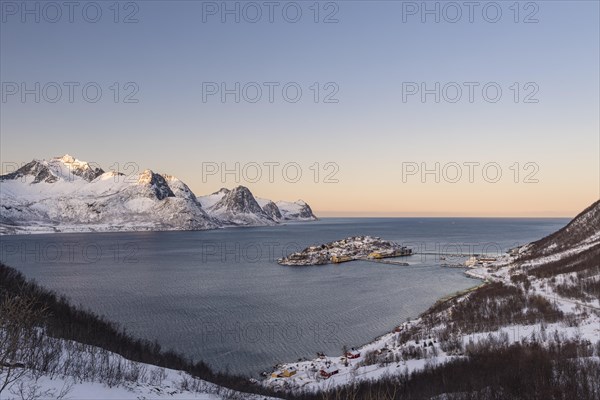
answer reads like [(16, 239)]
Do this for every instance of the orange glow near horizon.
[(437, 200)]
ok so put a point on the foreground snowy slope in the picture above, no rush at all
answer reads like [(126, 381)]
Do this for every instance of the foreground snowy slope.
[(86, 382), (51, 349), (68, 195)]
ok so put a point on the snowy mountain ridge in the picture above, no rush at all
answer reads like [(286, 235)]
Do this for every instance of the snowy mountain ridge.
[(65, 194), (583, 229)]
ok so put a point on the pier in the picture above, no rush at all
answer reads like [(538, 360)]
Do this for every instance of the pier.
[(426, 253), (385, 261)]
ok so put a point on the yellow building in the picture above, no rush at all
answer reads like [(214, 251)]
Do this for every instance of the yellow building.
[(286, 373), (340, 259)]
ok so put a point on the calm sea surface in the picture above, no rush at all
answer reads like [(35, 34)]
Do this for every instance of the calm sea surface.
[(220, 296)]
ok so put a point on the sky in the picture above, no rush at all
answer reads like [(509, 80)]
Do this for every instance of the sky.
[(360, 108)]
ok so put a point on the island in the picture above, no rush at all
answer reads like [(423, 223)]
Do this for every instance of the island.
[(348, 249)]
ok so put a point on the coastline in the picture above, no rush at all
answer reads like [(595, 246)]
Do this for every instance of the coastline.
[(419, 344), (378, 343), (48, 231), (456, 325)]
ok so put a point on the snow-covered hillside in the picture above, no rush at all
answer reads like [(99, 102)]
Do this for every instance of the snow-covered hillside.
[(80, 371), (65, 194), (584, 229), (547, 296)]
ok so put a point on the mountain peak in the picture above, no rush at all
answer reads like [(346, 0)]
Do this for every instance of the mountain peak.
[(157, 183), (67, 159), (76, 167), (222, 191), (145, 177), (299, 210), (241, 188), (38, 169), (271, 209), (239, 200)]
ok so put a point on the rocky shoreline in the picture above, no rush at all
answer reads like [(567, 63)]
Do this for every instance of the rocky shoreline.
[(348, 249)]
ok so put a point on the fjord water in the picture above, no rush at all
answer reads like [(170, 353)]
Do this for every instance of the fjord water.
[(220, 296)]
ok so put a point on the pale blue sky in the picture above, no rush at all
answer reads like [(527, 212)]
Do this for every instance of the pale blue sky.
[(369, 53)]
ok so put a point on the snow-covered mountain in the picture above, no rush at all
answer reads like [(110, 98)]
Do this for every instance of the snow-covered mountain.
[(60, 167), (239, 206), (298, 210), (583, 230), (287, 210), (65, 194), (272, 210)]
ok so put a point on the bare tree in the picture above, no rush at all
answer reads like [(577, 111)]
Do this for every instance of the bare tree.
[(20, 337)]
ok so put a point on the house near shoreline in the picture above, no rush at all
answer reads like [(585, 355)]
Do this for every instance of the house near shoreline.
[(329, 371), (286, 373), (340, 259), (353, 354)]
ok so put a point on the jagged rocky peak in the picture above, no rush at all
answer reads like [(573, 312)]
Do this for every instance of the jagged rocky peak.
[(222, 191), (79, 168), (272, 210), (296, 210), (239, 200), (305, 211), (67, 159), (157, 183), (38, 169), (179, 188)]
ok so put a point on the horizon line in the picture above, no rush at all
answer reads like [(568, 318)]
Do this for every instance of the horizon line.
[(358, 214)]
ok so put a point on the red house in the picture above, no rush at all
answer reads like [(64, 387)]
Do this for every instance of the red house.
[(327, 372), (353, 354)]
